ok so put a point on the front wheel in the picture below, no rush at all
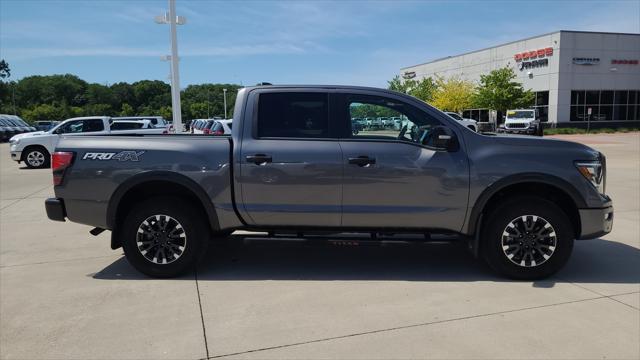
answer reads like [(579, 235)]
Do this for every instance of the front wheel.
[(527, 238), (164, 237), (36, 158)]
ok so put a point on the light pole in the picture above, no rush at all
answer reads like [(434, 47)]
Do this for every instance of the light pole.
[(208, 102), (224, 92), (173, 20)]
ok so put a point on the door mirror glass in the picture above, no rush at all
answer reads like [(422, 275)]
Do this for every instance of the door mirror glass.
[(441, 138)]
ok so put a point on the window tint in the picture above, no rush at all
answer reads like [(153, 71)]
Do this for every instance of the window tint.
[(82, 126), (294, 115), (380, 118), (126, 125)]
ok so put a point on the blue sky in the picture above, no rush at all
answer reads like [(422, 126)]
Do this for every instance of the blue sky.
[(322, 42)]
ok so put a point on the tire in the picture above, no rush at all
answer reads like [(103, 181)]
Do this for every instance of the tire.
[(36, 157), (183, 249), (547, 253)]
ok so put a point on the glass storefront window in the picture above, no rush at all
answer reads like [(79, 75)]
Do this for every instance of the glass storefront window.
[(606, 97), (484, 115), (605, 113), (593, 97), (605, 105), (621, 97), (577, 97), (633, 112), (620, 112), (577, 113), (542, 98)]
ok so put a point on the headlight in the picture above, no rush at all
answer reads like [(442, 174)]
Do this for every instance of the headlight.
[(594, 172), (14, 141)]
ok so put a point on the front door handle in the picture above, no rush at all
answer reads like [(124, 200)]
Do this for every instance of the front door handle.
[(259, 159), (362, 161)]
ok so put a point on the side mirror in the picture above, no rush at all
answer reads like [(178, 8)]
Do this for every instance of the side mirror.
[(441, 138), (443, 141)]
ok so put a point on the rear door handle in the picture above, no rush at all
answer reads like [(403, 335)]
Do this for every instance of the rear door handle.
[(362, 161), (259, 159)]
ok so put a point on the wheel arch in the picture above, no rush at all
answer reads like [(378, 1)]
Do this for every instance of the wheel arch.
[(27, 148), (546, 186), (145, 185)]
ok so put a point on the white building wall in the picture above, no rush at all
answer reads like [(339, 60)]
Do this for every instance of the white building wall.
[(602, 76), (561, 75)]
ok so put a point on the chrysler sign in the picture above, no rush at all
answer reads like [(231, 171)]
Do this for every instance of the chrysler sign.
[(586, 61)]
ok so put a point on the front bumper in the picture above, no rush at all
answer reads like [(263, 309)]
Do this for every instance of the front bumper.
[(526, 131), (16, 156), (595, 222), (55, 209)]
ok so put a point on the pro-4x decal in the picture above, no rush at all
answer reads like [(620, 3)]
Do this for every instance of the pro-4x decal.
[(126, 155)]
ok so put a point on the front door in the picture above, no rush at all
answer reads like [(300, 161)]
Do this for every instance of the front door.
[(392, 177), (291, 169)]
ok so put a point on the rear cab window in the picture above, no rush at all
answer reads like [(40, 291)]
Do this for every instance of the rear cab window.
[(293, 115)]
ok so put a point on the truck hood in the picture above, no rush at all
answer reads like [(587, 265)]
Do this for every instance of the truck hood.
[(540, 142), (29, 135)]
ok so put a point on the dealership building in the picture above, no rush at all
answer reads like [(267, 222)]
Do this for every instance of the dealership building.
[(577, 76)]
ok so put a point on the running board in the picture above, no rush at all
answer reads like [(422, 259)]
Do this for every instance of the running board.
[(347, 239)]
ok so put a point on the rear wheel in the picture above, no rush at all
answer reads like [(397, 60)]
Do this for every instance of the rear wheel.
[(164, 237), (36, 157), (527, 238)]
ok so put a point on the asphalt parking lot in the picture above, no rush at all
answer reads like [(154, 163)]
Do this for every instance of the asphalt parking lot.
[(65, 294)]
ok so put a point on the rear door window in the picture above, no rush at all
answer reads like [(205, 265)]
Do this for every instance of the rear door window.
[(126, 125), (293, 115)]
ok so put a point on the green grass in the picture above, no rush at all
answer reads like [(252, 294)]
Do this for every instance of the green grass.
[(557, 131)]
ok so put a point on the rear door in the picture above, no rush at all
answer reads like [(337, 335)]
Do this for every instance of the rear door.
[(290, 160), (78, 127), (393, 176)]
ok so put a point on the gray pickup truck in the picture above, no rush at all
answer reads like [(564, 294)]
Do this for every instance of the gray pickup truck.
[(293, 167)]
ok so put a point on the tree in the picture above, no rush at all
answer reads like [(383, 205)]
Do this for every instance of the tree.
[(5, 72), (453, 94), (43, 112), (127, 110), (422, 89), (499, 91)]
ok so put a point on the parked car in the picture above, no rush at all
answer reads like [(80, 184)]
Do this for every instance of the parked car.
[(156, 121), (7, 130), (221, 127), (21, 123), (522, 121), (290, 167), (206, 128), (469, 123), (15, 124), (35, 148), (45, 125)]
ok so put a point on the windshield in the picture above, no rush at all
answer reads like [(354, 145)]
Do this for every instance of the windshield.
[(523, 114), (455, 116)]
